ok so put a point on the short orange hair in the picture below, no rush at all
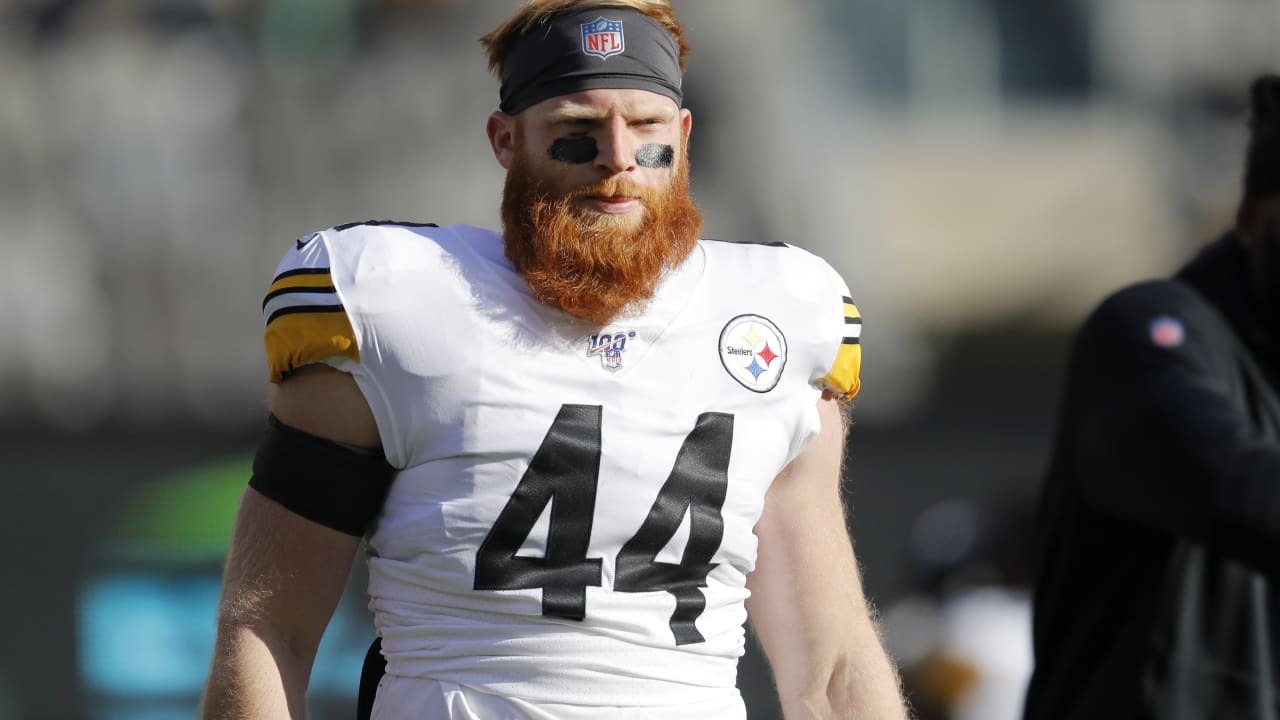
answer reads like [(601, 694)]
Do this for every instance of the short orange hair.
[(498, 42)]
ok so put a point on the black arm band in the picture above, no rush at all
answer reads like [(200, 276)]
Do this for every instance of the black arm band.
[(337, 486)]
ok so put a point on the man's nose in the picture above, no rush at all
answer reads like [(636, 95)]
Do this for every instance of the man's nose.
[(617, 152)]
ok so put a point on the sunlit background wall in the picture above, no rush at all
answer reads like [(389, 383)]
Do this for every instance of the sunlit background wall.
[(981, 171)]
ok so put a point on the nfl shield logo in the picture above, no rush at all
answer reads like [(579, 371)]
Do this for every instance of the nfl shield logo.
[(1167, 331), (602, 38)]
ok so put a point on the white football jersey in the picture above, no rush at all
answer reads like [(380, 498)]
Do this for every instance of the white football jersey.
[(571, 523)]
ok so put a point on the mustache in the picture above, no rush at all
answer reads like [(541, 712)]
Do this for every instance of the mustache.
[(590, 265), (613, 187)]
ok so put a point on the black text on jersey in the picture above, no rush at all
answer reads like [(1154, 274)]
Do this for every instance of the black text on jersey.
[(564, 471)]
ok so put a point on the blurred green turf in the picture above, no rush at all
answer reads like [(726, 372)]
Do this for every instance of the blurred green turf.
[(187, 515)]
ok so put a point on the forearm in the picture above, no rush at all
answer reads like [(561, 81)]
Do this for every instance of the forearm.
[(866, 685), (861, 683), (283, 578), (254, 677), (807, 604)]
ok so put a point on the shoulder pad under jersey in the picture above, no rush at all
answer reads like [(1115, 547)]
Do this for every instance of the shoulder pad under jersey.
[(841, 378), (306, 321)]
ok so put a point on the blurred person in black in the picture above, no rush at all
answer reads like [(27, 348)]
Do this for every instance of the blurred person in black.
[(1161, 514)]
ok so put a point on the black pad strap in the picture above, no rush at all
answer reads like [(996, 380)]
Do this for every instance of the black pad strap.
[(337, 486), (375, 666)]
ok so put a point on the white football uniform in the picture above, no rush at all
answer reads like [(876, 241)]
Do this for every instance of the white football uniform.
[(571, 523)]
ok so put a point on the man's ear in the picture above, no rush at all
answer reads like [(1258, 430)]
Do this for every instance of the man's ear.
[(501, 129)]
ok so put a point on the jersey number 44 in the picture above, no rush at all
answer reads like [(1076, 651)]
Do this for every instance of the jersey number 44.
[(566, 469)]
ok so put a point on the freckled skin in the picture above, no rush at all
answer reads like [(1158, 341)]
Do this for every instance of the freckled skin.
[(655, 155), (574, 150)]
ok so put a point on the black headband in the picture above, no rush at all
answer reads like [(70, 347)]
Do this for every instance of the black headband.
[(599, 46)]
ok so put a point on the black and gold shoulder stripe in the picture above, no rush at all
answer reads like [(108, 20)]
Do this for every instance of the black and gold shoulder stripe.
[(852, 323), (304, 281), (306, 322), (843, 379)]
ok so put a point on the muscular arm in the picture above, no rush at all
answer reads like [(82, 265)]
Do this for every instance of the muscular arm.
[(806, 602), (284, 574)]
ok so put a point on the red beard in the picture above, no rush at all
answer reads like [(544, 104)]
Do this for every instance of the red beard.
[(591, 265)]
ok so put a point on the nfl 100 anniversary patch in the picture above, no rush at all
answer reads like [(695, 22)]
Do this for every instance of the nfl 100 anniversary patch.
[(753, 352), (609, 348), (603, 38)]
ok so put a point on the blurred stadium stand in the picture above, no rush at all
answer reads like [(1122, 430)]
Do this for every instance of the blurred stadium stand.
[(982, 172)]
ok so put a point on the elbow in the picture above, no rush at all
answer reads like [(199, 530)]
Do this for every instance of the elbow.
[(243, 625), (863, 685), (822, 694), (251, 655)]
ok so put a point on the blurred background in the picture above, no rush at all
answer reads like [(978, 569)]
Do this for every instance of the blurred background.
[(981, 171)]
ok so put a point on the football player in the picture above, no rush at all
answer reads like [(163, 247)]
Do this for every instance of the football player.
[(580, 452)]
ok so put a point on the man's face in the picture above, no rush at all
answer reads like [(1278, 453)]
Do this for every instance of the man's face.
[(596, 204), (576, 140)]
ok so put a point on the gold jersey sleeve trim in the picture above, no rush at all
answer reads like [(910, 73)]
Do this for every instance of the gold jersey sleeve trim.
[(309, 334), (844, 377)]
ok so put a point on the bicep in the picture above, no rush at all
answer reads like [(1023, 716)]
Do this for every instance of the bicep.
[(285, 573), (327, 403)]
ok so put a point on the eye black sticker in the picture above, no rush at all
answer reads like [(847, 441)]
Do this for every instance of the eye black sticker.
[(574, 150), (582, 150), (655, 155)]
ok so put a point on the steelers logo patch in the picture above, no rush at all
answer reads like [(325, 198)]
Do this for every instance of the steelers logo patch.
[(753, 352)]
